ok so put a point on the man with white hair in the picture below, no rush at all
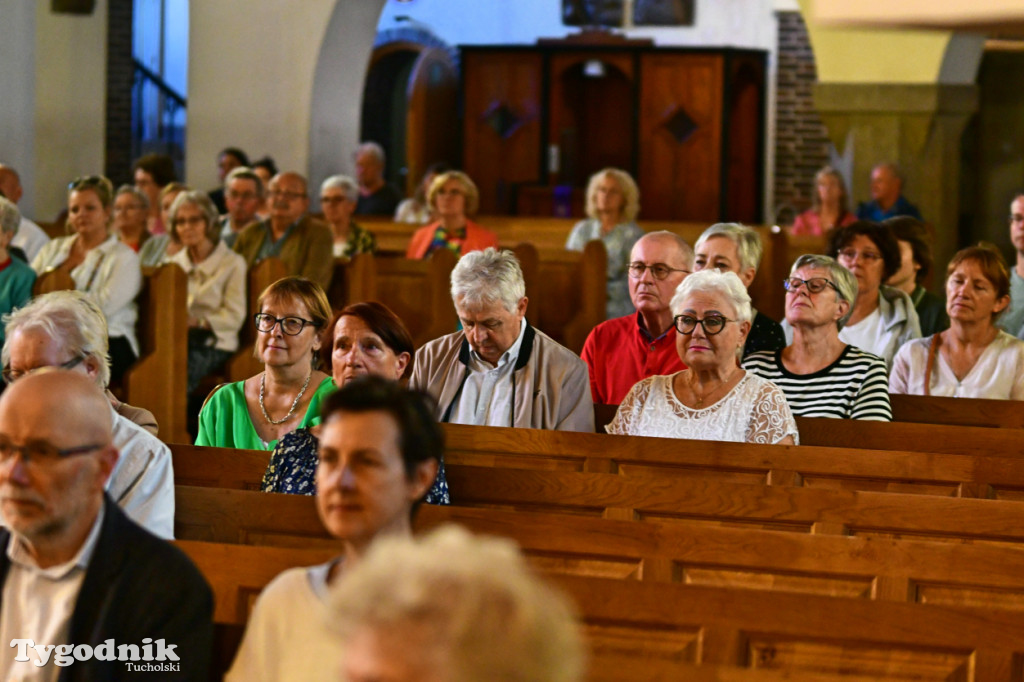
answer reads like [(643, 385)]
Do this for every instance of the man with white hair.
[(16, 277), (376, 195), (30, 238), (76, 575), (66, 329), (500, 371), (622, 351)]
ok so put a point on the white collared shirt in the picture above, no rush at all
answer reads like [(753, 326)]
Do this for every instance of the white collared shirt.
[(38, 604), (486, 398), (216, 292)]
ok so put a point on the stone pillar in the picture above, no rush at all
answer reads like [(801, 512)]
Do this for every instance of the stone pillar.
[(919, 127)]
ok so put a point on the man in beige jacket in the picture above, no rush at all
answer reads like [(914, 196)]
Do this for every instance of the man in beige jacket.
[(500, 371)]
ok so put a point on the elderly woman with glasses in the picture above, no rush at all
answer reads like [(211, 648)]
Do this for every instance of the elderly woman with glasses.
[(714, 398), (216, 284), (974, 358), (254, 414), (883, 317), (821, 375), (613, 201), (731, 247), (338, 197), (100, 264)]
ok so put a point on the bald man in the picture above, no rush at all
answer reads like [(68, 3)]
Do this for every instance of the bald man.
[(30, 237), (76, 570), (623, 351), (304, 244)]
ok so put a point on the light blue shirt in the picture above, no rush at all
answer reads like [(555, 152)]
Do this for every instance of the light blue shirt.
[(1012, 319), (486, 398)]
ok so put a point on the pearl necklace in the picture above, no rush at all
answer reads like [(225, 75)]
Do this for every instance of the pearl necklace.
[(295, 403)]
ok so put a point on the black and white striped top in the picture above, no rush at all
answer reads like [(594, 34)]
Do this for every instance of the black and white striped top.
[(853, 387)]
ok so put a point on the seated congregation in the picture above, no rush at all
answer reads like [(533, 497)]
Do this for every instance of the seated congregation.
[(294, 388)]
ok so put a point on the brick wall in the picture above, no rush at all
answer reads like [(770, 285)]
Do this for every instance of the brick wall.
[(801, 144), (119, 92)]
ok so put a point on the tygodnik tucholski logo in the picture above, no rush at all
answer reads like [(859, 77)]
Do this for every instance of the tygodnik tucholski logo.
[(163, 659)]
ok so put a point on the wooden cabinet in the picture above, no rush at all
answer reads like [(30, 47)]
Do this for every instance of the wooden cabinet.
[(688, 124)]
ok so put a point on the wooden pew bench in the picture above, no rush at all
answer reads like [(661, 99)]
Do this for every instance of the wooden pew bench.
[(1007, 414), (628, 623), (840, 468), (242, 364), (982, 575)]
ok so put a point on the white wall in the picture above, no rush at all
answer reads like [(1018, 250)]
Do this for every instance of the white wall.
[(53, 103)]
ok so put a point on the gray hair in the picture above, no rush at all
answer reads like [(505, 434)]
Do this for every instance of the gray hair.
[(473, 597), (747, 241), (725, 284), (846, 283), (202, 201), (685, 252), (10, 216), (246, 173), (71, 318), (485, 277), (374, 150), (343, 182), (135, 192)]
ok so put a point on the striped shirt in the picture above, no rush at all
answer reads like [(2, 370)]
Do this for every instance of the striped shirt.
[(855, 386)]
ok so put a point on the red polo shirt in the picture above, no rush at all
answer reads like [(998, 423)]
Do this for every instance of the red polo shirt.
[(620, 353)]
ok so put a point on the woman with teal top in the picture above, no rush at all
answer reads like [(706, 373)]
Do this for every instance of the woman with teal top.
[(254, 414)]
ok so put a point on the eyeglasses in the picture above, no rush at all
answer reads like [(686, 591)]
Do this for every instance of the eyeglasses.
[(712, 324), (240, 196), (659, 271), (815, 285), (291, 326), (333, 200), (853, 254), (283, 194), (12, 375), (191, 220), (41, 453)]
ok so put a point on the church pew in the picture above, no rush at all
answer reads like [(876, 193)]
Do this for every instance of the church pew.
[(158, 381), (921, 409), (981, 575), (567, 291), (630, 622), (54, 280), (844, 468), (242, 364), (804, 510), (417, 291)]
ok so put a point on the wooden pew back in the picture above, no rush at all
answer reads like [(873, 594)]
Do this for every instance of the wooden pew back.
[(417, 291), (54, 280), (158, 381), (242, 364), (567, 291), (922, 409)]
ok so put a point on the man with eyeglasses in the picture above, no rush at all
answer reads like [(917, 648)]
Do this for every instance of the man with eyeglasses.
[(75, 571), (67, 330), (621, 352), (243, 196), (303, 243)]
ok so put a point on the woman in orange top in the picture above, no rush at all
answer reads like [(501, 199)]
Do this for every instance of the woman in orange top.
[(453, 197)]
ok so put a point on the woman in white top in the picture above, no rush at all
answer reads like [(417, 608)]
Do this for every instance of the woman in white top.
[(713, 399), (380, 449), (883, 317), (100, 264), (416, 209), (973, 358), (216, 284), (613, 201)]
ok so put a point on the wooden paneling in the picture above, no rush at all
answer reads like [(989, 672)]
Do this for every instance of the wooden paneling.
[(680, 180), (743, 139), (591, 118), (496, 85), (430, 133)]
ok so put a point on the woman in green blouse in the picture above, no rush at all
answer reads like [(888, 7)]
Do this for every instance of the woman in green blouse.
[(256, 413)]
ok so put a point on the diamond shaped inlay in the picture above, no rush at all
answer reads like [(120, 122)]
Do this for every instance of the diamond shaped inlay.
[(502, 119), (680, 125)]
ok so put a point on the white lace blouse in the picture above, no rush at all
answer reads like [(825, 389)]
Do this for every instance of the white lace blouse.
[(754, 411)]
